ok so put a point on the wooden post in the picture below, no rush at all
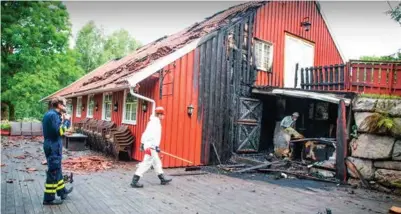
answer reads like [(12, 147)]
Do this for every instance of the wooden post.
[(391, 81), (342, 145), (296, 75), (326, 78), (306, 79), (302, 78)]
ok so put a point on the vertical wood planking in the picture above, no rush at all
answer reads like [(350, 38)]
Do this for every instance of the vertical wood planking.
[(276, 18)]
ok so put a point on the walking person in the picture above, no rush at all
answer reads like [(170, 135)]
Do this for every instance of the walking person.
[(55, 122), (150, 143)]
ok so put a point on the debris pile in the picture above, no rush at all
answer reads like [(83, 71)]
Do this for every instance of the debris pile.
[(87, 164), (283, 168), (94, 163)]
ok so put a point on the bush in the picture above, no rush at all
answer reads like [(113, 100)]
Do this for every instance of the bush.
[(381, 122), (5, 125)]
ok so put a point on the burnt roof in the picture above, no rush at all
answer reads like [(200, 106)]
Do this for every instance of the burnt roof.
[(107, 75)]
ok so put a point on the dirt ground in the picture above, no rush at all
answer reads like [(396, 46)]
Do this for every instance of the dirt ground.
[(108, 190)]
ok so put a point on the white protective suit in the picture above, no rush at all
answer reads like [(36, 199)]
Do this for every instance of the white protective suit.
[(151, 139), (153, 133)]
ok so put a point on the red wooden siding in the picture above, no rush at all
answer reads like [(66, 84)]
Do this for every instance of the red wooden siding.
[(181, 134), (98, 101), (275, 19), (74, 110)]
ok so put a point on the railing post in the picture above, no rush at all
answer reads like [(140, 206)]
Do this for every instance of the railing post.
[(302, 78), (391, 81), (347, 76), (296, 76), (307, 78)]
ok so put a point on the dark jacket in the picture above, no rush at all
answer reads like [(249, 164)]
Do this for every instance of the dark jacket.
[(51, 125)]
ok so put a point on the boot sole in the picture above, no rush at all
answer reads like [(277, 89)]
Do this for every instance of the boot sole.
[(136, 186), (165, 183)]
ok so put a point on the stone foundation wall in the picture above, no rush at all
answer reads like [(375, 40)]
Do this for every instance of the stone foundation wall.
[(377, 156)]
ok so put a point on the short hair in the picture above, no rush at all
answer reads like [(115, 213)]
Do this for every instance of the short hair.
[(57, 100)]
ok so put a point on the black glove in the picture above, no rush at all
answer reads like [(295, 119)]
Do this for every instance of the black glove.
[(142, 147), (157, 149)]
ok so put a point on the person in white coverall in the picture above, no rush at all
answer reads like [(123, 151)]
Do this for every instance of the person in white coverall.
[(150, 143)]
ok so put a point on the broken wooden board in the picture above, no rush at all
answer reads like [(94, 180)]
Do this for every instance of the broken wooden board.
[(192, 173), (231, 167), (351, 166), (254, 167), (243, 160)]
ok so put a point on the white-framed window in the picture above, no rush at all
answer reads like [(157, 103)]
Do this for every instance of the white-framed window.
[(263, 55), (91, 106), (130, 108), (107, 105), (79, 107), (69, 107)]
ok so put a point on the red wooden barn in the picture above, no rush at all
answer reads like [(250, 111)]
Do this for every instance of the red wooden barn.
[(207, 77)]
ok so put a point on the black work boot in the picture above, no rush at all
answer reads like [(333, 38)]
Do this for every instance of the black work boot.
[(135, 183), (163, 180), (66, 192), (54, 202)]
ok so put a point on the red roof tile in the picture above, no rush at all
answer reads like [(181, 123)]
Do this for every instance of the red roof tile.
[(106, 76)]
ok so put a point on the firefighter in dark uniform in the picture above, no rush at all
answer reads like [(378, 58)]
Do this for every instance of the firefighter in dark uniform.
[(55, 123)]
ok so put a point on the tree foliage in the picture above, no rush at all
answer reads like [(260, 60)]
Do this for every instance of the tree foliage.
[(119, 44), (89, 45), (396, 13), (95, 48), (35, 59), (392, 57)]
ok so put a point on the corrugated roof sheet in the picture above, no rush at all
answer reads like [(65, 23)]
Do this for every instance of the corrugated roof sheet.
[(106, 76)]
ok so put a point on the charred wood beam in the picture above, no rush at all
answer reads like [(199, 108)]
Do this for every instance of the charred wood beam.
[(302, 78), (342, 145), (307, 79), (296, 75)]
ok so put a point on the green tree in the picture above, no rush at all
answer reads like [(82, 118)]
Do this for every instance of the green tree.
[(119, 44), (90, 44), (35, 59), (95, 48), (395, 13), (58, 71)]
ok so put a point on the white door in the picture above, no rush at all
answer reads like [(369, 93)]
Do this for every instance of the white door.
[(296, 51)]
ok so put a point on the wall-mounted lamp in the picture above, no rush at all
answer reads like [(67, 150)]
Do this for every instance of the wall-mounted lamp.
[(144, 106), (115, 106), (190, 110), (306, 24), (96, 106)]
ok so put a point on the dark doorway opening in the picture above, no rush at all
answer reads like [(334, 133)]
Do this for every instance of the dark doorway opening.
[(318, 119)]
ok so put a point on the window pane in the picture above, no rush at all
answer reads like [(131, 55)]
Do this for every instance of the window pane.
[(130, 107)]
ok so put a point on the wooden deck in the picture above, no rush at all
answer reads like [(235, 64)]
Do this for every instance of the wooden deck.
[(109, 192)]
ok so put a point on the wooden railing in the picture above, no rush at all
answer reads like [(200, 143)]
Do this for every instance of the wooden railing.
[(373, 77)]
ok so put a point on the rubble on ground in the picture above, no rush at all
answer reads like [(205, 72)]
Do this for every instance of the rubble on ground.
[(282, 168), (93, 163)]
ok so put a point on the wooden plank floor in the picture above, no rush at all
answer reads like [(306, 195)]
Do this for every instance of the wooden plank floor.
[(109, 192)]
